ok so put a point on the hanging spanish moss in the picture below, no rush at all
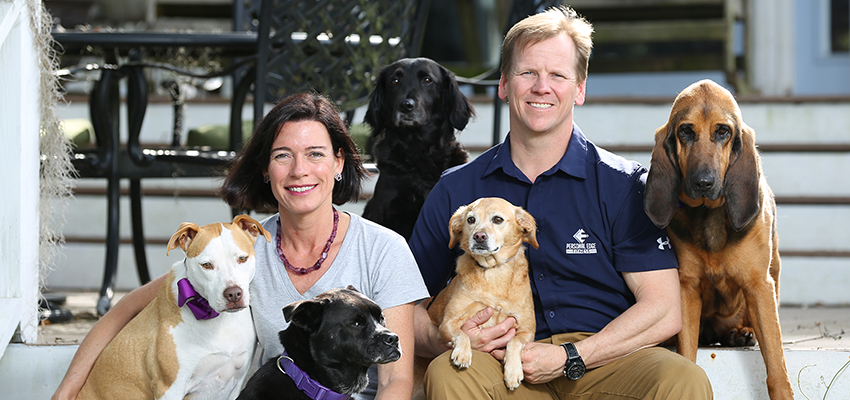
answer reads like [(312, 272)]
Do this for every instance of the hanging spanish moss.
[(56, 173)]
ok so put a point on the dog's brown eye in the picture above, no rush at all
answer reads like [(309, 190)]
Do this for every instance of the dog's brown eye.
[(498, 220), (722, 132), (427, 79), (394, 81), (242, 259), (686, 133), (470, 220), (207, 265)]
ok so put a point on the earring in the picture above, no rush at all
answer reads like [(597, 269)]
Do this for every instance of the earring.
[(265, 179), (338, 177)]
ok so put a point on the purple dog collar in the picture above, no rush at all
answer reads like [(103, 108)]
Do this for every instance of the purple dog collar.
[(304, 383), (186, 294)]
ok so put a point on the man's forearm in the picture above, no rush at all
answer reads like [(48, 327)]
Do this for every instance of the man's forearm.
[(655, 317)]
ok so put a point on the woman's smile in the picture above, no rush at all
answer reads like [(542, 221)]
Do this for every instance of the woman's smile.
[(300, 189)]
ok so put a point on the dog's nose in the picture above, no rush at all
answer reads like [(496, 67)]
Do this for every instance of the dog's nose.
[(704, 182), (391, 340), (479, 237), (233, 294), (405, 105)]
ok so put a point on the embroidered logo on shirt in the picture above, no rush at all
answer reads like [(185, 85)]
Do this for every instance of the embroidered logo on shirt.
[(665, 241), (582, 247), (580, 236)]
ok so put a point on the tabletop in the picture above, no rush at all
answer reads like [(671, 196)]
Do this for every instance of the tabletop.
[(235, 43)]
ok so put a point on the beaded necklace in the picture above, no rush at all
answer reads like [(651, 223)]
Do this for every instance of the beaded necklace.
[(318, 264)]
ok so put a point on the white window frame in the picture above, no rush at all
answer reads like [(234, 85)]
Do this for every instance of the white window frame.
[(19, 163), (818, 70)]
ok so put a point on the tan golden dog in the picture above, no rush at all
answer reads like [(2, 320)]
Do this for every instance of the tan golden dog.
[(706, 186), (493, 272)]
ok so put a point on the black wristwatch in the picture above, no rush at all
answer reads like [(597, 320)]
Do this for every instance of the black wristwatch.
[(574, 368)]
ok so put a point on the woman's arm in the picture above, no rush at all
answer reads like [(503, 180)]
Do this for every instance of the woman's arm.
[(428, 343), (395, 379), (101, 334)]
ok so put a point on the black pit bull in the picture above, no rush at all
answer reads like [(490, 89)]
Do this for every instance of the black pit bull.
[(330, 343)]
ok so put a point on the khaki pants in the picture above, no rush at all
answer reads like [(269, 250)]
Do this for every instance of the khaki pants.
[(653, 373)]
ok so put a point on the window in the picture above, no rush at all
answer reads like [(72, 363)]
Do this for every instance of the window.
[(839, 26)]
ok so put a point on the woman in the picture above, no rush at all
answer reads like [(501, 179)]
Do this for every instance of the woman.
[(300, 162)]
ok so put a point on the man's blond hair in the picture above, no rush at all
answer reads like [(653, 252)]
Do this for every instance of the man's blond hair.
[(545, 25)]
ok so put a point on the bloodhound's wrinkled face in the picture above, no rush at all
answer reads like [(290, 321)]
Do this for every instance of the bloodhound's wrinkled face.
[(706, 128), (705, 155)]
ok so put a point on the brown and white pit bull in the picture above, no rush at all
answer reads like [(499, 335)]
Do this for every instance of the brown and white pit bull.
[(195, 339)]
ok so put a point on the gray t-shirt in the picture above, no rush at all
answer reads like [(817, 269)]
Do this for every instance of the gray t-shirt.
[(373, 259)]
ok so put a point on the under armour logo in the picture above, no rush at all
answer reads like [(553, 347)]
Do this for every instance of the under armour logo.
[(663, 242), (580, 236)]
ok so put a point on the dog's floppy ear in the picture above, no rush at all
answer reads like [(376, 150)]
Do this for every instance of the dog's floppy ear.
[(456, 225), (305, 314), (664, 181), (251, 226), (456, 105), (374, 113), (529, 227), (741, 187), (185, 233)]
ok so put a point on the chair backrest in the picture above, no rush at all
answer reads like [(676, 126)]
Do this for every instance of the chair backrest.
[(523, 8), (334, 47)]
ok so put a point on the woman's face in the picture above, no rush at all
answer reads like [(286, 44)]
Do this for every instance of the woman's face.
[(302, 167)]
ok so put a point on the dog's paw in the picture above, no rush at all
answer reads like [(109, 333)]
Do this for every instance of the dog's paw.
[(741, 337), (513, 376), (462, 352), (461, 358)]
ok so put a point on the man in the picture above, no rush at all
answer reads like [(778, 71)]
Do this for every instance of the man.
[(603, 286)]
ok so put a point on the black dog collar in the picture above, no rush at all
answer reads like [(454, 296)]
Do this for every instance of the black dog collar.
[(304, 383)]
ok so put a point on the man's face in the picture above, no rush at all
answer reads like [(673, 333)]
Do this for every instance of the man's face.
[(542, 88)]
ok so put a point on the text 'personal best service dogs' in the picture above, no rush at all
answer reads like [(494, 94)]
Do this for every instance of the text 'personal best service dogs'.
[(706, 186)]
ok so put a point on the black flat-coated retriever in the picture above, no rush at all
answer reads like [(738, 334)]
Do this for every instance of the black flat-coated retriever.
[(413, 112)]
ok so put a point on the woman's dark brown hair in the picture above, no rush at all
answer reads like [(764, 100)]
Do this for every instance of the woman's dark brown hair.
[(244, 188)]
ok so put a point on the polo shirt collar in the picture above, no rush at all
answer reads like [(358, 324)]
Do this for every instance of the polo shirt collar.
[(573, 162)]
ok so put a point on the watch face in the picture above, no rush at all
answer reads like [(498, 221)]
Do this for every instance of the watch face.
[(575, 371)]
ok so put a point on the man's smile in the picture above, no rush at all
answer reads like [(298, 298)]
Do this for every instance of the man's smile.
[(540, 105)]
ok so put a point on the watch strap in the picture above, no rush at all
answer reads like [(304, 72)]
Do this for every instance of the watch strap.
[(570, 348), (574, 367)]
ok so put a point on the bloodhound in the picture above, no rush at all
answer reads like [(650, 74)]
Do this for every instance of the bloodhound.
[(706, 186)]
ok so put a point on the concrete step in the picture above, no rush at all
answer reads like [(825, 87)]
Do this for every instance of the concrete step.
[(816, 342)]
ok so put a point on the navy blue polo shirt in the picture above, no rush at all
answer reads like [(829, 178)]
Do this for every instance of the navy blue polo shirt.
[(591, 228)]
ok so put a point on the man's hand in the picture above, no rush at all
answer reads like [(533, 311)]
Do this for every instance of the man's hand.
[(489, 339), (541, 362)]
